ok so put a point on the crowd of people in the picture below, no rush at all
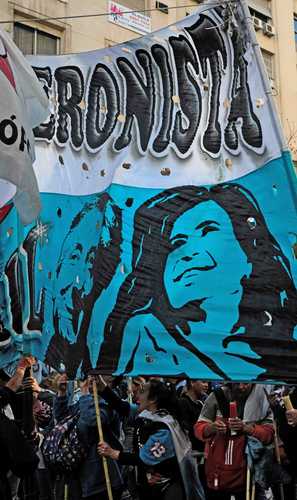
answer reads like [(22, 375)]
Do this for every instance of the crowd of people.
[(166, 439)]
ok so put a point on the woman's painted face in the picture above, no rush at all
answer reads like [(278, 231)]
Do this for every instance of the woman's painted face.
[(206, 261)]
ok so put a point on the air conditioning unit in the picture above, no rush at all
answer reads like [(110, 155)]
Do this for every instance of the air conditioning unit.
[(258, 23), (268, 29)]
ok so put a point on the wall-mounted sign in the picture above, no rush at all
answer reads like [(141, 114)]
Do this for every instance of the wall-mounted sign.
[(135, 21)]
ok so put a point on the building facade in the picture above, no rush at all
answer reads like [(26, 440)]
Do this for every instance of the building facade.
[(57, 27)]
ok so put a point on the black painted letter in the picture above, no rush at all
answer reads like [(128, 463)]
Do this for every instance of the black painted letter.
[(102, 80), (209, 42), (140, 100), (163, 138), (45, 130), (70, 84), (241, 106), (189, 94)]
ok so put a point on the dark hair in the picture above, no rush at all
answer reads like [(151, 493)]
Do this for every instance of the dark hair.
[(164, 394), (189, 384), (143, 291)]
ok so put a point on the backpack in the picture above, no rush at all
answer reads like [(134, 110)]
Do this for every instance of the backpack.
[(226, 464), (62, 449)]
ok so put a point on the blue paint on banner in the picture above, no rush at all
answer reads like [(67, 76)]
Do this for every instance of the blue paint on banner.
[(188, 280)]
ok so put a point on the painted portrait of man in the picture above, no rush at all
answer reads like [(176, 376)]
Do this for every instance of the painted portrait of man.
[(88, 258)]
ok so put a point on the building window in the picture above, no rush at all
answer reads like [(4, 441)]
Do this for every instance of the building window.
[(260, 8), (295, 29), (269, 63), (32, 41), (259, 15)]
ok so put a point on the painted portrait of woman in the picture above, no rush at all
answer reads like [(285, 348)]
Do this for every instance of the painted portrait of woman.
[(210, 289)]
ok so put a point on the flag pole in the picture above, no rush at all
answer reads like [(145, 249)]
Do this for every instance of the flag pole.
[(276, 444), (29, 482), (248, 483), (66, 491), (101, 438), (130, 390)]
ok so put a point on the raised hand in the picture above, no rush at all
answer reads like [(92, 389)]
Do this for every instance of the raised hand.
[(292, 417), (17, 379), (31, 383)]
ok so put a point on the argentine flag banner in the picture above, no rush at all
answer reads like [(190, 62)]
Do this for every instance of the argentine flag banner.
[(167, 240)]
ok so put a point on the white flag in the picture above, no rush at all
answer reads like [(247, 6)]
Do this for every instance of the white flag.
[(24, 105)]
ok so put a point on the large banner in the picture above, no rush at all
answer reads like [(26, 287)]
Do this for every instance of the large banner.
[(167, 241)]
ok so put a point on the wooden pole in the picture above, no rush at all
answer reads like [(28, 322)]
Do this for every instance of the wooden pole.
[(287, 403), (101, 438), (276, 445), (254, 491), (30, 491), (66, 491), (130, 390), (248, 483)]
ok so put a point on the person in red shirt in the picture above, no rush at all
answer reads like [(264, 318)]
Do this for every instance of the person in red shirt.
[(254, 419)]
